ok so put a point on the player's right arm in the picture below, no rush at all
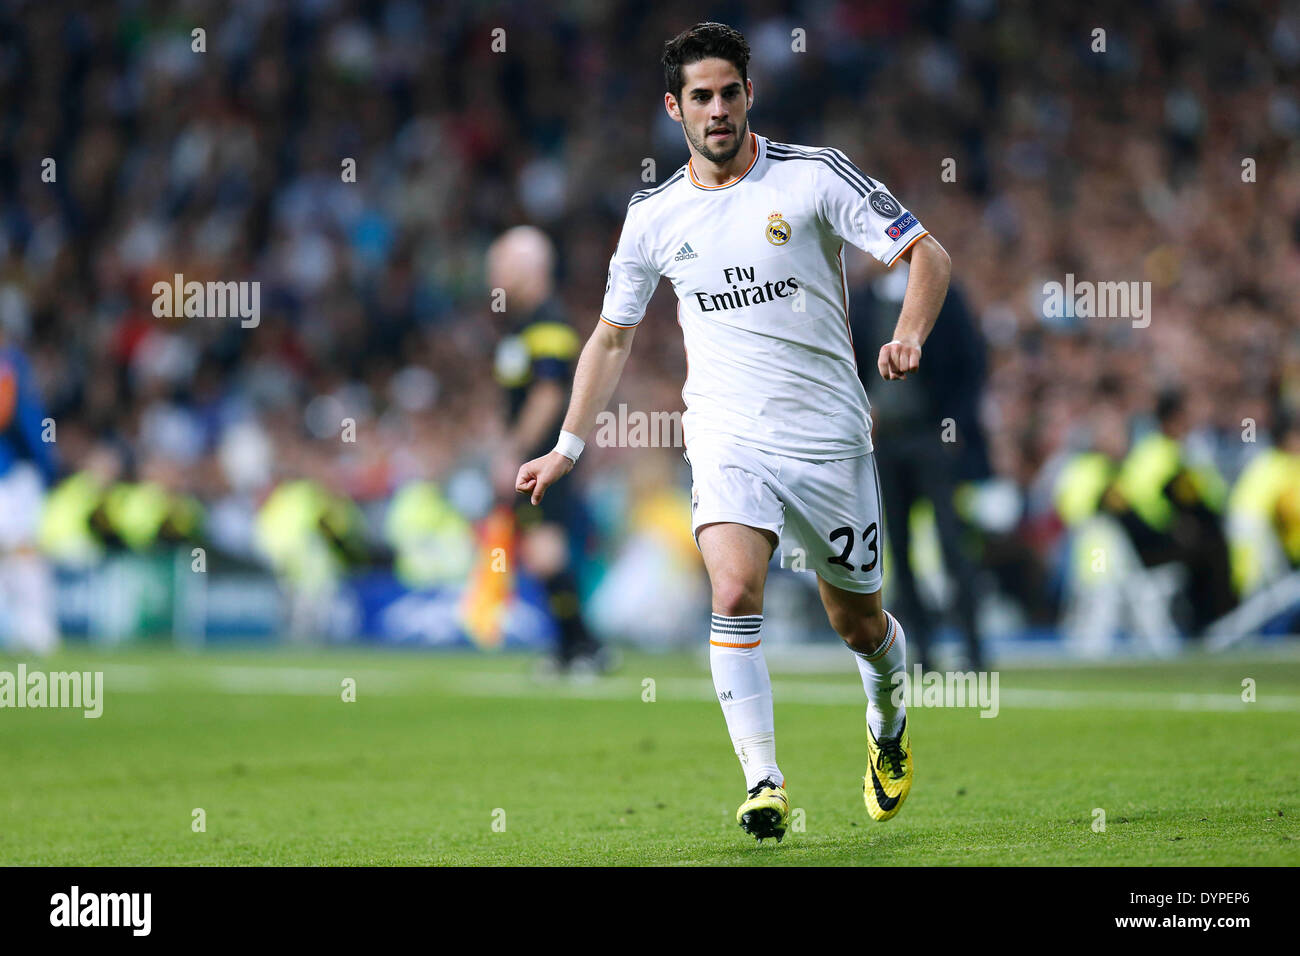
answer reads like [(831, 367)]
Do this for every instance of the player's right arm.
[(599, 368), (630, 283)]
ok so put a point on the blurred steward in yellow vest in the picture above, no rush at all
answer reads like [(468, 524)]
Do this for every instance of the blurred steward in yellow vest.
[(1174, 510), (1264, 511), (75, 529), (433, 546)]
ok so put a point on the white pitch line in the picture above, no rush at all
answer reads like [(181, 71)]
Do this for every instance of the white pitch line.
[(305, 681), (1031, 699), (518, 685)]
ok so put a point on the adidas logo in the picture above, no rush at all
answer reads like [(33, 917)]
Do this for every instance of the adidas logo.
[(685, 252)]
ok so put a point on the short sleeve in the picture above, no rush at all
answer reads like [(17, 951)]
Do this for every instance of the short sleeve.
[(862, 211), (631, 280), (552, 347)]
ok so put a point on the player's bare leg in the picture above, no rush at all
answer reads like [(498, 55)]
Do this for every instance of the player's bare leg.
[(880, 647), (736, 557)]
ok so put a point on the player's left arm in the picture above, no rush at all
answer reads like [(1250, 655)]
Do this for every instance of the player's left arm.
[(552, 347), (927, 286)]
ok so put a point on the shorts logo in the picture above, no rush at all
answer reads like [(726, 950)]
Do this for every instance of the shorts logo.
[(778, 230), (900, 225), (885, 205), (685, 252)]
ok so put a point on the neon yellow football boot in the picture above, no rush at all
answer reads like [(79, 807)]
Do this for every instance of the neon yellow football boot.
[(767, 811), (889, 773)]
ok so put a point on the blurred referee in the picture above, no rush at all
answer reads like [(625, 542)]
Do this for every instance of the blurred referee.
[(534, 364), (914, 462)]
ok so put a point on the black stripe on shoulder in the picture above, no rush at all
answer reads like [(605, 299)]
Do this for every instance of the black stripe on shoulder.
[(837, 156), (834, 156), (843, 158), (647, 193), (782, 157)]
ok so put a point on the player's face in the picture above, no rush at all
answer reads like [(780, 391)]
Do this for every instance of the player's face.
[(713, 109)]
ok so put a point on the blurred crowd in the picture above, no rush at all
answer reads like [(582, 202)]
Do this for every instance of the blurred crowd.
[(1169, 154)]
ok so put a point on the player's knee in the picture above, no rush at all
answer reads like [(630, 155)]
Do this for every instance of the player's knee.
[(735, 596), (863, 633)]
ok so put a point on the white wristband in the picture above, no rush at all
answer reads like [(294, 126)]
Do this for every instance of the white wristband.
[(570, 446)]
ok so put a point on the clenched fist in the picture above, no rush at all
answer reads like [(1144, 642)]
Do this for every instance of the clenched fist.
[(539, 474), (897, 358)]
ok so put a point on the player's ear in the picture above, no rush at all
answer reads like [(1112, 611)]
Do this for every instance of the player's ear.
[(670, 104)]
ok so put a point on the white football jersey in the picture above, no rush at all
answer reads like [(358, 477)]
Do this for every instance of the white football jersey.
[(758, 267)]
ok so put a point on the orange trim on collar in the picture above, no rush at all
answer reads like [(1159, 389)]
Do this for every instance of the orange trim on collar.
[(690, 171)]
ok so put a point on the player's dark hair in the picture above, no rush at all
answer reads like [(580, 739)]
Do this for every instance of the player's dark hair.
[(700, 42)]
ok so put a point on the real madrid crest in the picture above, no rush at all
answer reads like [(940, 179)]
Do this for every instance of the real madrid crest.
[(778, 230)]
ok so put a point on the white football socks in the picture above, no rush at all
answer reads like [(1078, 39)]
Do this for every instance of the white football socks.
[(745, 692), (884, 716)]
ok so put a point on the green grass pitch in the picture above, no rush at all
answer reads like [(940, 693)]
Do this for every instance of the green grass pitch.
[(466, 759)]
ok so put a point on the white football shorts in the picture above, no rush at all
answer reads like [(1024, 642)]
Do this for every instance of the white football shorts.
[(826, 514)]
